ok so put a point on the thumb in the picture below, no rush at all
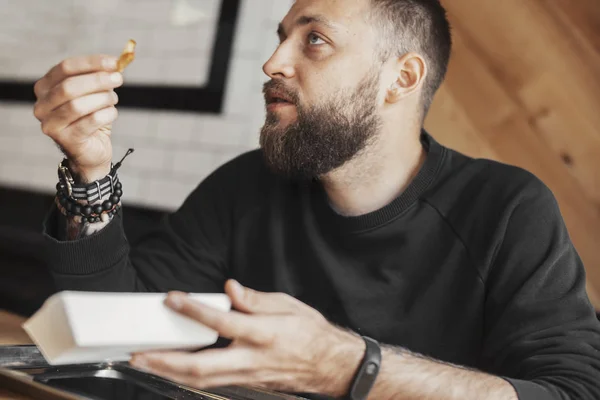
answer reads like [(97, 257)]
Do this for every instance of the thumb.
[(237, 294)]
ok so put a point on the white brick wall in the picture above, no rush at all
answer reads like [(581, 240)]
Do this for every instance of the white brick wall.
[(174, 151)]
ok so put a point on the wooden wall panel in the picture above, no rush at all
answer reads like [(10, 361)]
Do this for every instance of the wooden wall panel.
[(523, 87)]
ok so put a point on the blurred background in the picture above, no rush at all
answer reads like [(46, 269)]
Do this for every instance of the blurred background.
[(523, 88)]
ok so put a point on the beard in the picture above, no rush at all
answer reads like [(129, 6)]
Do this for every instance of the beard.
[(324, 136)]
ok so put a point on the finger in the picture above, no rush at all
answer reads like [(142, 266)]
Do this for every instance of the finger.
[(87, 125), (75, 87), (215, 381), (254, 302), (231, 325), (74, 66), (216, 368), (212, 381), (76, 109), (198, 365)]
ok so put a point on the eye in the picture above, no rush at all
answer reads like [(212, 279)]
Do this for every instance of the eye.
[(315, 40)]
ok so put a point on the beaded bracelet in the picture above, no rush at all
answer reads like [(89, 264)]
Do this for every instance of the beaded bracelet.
[(70, 197), (89, 213)]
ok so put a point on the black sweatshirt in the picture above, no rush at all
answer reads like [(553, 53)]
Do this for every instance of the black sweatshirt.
[(472, 264)]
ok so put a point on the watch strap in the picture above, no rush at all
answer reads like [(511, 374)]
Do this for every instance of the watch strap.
[(367, 372), (89, 192)]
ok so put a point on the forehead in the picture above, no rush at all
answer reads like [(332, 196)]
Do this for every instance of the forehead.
[(347, 15)]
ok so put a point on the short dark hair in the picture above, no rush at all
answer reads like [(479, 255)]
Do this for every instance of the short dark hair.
[(421, 26)]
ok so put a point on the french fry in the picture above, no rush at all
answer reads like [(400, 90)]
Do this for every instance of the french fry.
[(127, 56)]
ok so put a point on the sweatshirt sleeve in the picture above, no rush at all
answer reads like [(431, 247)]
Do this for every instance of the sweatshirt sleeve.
[(187, 251), (541, 332)]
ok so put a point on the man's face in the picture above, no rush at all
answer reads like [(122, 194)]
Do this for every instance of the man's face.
[(322, 99)]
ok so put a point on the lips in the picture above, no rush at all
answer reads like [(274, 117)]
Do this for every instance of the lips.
[(274, 96)]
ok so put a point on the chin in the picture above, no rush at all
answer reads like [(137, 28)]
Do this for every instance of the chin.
[(280, 121)]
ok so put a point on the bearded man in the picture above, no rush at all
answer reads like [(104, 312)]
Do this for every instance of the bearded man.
[(363, 259)]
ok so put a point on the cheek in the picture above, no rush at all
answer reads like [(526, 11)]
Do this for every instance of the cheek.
[(322, 75), (317, 88)]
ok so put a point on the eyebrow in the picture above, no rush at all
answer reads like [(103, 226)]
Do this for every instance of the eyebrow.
[(305, 20)]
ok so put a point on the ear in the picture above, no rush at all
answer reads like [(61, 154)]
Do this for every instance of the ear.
[(411, 72)]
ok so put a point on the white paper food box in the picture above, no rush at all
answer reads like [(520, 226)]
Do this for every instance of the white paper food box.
[(91, 327)]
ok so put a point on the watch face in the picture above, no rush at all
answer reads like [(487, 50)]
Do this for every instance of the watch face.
[(371, 369)]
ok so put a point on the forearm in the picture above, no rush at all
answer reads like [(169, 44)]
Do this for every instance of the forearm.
[(120, 278), (172, 256), (405, 375), (97, 262)]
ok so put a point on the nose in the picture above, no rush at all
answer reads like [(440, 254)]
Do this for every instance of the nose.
[(281, 64)]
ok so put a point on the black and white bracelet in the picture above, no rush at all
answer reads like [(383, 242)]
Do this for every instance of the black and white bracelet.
[(71, 198)]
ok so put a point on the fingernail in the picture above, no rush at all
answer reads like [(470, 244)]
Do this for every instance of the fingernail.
[(175, 301), (116, 77), (109, 63)]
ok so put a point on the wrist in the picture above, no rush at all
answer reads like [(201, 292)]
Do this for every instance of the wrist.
[(93, 201), (87, 175), (345, 355)]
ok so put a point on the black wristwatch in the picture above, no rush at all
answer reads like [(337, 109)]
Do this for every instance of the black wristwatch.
[(367, 372)]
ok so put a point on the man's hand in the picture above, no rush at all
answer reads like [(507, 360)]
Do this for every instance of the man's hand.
[(277, 342), (282, 344), (75, 105)]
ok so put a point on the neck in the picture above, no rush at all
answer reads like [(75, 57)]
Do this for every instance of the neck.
[(378, 175)]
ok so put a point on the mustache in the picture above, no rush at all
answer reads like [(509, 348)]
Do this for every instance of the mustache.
[(274, 85)]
